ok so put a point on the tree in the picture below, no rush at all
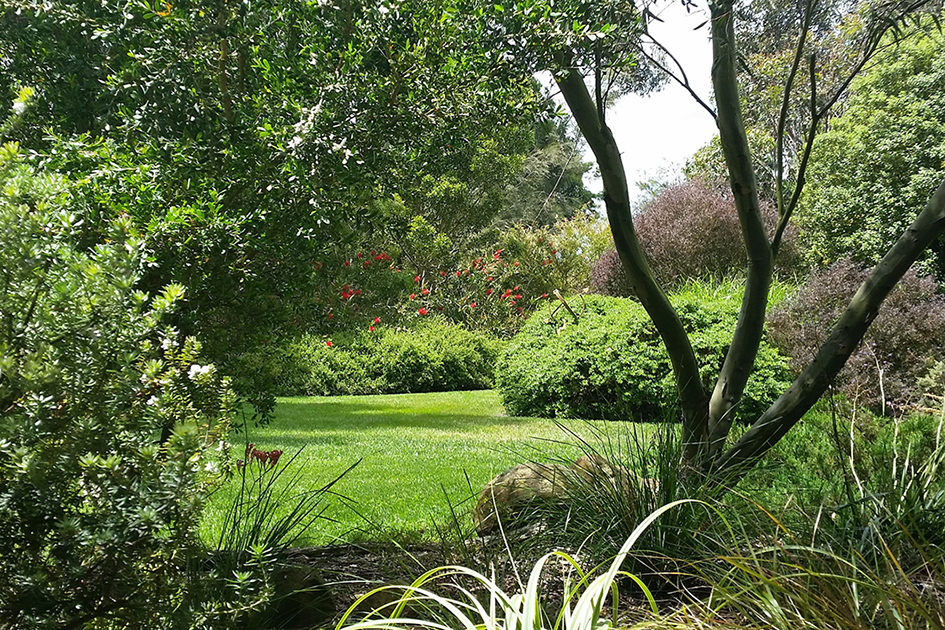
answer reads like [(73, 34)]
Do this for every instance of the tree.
[(246, 140), (108, 424), (880, 158), (596, 53)]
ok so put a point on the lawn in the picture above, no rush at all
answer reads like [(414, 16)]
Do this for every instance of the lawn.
[(417, 454)]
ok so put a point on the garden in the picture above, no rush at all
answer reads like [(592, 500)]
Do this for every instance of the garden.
[(310, 320)]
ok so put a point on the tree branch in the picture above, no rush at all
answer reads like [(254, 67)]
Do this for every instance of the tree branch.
[(833, 354), (746, 338), (692, 394)]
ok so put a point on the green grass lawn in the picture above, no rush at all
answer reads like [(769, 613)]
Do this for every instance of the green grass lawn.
[(415, 450)]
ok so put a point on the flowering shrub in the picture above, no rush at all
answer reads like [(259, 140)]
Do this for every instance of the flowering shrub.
[(109, 423), (611, 363), (903, 342)]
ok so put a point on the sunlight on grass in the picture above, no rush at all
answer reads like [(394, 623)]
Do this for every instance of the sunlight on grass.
[(415, 450)]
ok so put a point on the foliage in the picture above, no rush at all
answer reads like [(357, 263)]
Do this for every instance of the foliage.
[(881, 159), (582, 606), (266, 517), (430, 355), (608, 277), (550, 185), (607, 361), (689, 231), (248, 141), (905, 340), (107, 420)]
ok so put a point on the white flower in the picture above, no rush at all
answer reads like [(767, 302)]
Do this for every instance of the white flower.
[(211, 467), (18, 108), (196, 371), (168, 343), (152, 400)]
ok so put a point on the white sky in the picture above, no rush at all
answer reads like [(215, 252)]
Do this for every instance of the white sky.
[(661, 131)]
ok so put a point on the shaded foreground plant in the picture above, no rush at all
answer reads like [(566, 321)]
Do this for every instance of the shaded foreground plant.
[(266, 518), (582, 609)]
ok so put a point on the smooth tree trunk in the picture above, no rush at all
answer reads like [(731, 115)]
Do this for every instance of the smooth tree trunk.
[(707, 419), (693, 397)]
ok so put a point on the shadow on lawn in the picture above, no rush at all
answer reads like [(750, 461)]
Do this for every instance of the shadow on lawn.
[(369, 412)]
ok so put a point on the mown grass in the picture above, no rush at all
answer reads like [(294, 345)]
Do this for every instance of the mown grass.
[(418, 454)]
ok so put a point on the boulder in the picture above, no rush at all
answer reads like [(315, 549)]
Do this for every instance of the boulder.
[(590, 476), (510, 492)]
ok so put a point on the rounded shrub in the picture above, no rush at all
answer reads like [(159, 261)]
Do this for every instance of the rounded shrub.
[(612, 364), (432, 355), (904, 341)]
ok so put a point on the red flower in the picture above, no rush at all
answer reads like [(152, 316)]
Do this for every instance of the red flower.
[(413, 296), (473, 305), (416, 278), (330, 315), (367, 263), (459, 273), (370, 328), (357, 291), (488, 291), (377, 320), (544, 295), (425, 292), (274, 457), (328, 343), (554, 251), (422, 311), (318, 265), (347, 263), (517, 297), (515, 264), (442, 274), (360, 255)]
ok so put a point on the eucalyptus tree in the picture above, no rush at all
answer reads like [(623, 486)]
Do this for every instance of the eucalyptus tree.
[(590, 48)]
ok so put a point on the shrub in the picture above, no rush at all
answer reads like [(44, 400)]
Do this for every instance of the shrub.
[(691, 231), (608, 277), (905, 339), (611, 363), (431, 355), (107, 422)]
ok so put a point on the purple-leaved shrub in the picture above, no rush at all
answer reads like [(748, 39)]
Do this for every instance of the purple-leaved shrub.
[(905, 339), (689, 231)]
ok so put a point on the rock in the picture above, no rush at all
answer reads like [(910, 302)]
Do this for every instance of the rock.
[(507, 494), (591, 475)]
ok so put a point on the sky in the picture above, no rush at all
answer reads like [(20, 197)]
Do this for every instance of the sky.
[(661, 131)]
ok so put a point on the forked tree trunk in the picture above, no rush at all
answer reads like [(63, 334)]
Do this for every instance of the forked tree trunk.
[(707, 421)]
